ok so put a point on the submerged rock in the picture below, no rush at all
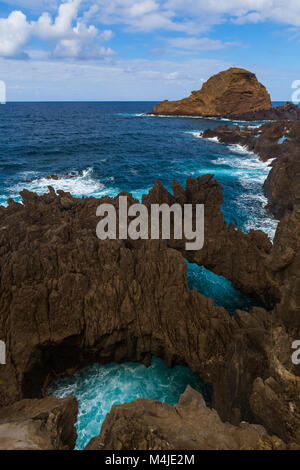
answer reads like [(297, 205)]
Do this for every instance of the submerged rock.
[(228, 93)]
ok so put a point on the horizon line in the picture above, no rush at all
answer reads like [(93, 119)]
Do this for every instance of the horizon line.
[(107, 101)]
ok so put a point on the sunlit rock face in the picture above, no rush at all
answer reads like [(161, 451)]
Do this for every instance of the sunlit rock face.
[(231, 92)]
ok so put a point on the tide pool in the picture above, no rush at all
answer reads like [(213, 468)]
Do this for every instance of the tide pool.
[(98, 387)]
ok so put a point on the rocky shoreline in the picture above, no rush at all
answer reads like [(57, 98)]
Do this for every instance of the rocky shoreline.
[(69, 299), (279, 142)]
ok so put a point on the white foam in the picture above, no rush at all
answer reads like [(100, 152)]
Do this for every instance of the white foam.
[(199, 135), (187, 116), (172, 116), (211, 118), (196, 134), (259, 218), (213, 139), (80, 184), (234, 162), (252, 126), (241, 149)]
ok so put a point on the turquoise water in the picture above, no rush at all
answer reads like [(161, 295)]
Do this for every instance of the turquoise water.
[(217, 288), (98, 387)]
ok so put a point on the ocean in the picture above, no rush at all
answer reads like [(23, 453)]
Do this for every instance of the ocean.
[(109, 147)]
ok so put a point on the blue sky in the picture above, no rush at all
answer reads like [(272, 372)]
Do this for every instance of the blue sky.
[(143, 49)]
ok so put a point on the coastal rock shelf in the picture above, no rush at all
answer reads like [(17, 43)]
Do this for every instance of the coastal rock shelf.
[(148, 425), (69, 299), (46, 424)]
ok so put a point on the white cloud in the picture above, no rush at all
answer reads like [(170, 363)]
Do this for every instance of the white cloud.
[(193, 16), (281, 11), (192, 43), (126, 79), (14, 33), (121, 80), (62, 25), (75, 37), (106, 35), (143, 7), (76, 49), (138, 15)]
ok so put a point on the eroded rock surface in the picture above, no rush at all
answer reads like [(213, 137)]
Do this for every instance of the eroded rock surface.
[(287, 111), (223, 243), (190, 425), (228, 93), (68, 299), (46, 424), (234, 93)]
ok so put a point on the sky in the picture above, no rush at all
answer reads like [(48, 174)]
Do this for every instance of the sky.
[(143, 50)]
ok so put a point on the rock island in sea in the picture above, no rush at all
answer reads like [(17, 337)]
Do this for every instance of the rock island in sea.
[(234, 93)]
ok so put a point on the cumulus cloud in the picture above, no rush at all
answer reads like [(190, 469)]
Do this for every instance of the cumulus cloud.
[(62, 25), (281, 11), (75, 37), (194, 16), (76, 49), (138, 15), (14, 33)]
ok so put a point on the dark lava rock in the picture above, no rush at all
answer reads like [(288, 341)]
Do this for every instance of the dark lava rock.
[(46, 424)]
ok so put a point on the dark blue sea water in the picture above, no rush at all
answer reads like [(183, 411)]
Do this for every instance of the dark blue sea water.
[(111, 147)]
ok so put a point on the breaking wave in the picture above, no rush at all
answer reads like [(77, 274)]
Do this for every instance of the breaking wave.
[(78, 183)]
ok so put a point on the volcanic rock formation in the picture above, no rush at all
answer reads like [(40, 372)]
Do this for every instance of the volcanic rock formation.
[(46, 424), (232, 92), (288, 111), (151, 425), (68, 299)]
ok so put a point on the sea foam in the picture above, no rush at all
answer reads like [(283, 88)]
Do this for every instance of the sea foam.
[(77, 183)]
